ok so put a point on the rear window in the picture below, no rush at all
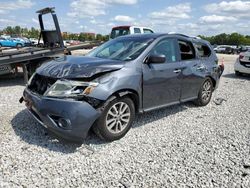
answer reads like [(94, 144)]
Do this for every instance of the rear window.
[(119, 32), (203, 50), (187, 50), (147, 31)]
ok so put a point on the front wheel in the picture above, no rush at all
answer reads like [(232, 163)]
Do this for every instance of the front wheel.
[(205, 93), (116, 119)]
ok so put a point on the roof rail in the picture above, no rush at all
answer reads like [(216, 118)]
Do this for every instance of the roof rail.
[(193, 37), (174, 33)]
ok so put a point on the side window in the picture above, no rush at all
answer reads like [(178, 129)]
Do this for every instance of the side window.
[(187, 50), (137, 30), (203, 50), (147, 31), (166, 47)]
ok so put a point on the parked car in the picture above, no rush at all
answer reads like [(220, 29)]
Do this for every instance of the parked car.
[(33, 41), (241, 49), (225, 49), (105, 89), (242, 64), (24, 40), (128, 30), (11, 43)]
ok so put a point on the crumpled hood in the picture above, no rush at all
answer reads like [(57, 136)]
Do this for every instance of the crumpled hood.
[(78, 67)]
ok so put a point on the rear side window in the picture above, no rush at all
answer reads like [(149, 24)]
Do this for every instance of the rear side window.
[(203, 50), (119, 32), (147, 31), (187, 50), (137, 30), (166, 47)]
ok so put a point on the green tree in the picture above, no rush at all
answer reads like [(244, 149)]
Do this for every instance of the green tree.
[(17, 30)]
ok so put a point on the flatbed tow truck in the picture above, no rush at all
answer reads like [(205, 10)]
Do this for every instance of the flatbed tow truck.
[(29, 58)]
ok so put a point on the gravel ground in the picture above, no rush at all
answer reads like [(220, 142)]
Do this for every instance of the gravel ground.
[(179, 146)]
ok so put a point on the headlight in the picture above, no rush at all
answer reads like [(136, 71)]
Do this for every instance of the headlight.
[(68, 88)]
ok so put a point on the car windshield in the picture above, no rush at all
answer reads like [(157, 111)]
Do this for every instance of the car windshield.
[(123, 49)]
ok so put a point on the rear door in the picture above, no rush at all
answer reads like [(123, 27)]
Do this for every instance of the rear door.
[(162, 82), (192, 72)]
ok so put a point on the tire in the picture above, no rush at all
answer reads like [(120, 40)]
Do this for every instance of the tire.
[(19, 46), (205, 93), (237, 73), (111, 120), (0, 45)]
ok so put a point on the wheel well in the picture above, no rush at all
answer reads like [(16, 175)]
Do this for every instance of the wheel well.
[(213, 80), (132, 94)]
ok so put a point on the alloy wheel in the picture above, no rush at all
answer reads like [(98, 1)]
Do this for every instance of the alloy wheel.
[(206, 91), (118, 117)]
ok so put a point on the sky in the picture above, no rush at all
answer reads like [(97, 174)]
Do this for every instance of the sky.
[(191, 17)]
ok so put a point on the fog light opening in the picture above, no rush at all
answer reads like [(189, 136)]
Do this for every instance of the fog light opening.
[(63, 123)]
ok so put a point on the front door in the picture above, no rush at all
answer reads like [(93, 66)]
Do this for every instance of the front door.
[(162, 82)]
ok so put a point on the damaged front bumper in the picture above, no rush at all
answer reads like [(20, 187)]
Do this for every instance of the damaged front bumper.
[(69, 119)]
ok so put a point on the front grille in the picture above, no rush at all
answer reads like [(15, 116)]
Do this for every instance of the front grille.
[(39, 84)]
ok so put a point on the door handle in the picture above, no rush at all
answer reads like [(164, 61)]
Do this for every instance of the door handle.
[(177, 71), (201, 68)]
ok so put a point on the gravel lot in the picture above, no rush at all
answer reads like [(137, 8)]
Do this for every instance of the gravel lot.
[(179, 146)]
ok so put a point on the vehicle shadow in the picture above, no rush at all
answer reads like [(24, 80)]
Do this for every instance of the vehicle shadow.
[(149, 117), (30, 131), (11, 80), (233, 76), (33, 133)]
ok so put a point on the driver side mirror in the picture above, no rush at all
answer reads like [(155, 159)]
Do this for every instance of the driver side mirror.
[(156, 59)]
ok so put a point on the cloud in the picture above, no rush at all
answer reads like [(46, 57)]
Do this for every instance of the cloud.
[(240, 9), (2, 11), (124, 2), (7, 6), (216, 19), (122, 18), (2, 20), (180, 11), (35, 21), (90, 8)]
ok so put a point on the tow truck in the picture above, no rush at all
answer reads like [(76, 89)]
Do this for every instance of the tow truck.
[(29, 58)]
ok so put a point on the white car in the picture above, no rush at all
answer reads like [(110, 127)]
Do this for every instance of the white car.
[(129, 30), (34, 41), (242, 64)]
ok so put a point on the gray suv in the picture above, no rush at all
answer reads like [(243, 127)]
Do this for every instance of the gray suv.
[(131, 74)]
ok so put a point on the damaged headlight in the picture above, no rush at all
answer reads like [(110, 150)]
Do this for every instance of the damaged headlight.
[(69, 88)]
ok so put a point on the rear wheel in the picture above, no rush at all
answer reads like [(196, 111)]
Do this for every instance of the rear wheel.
[(116, 119), (0, 45), (205, 93)]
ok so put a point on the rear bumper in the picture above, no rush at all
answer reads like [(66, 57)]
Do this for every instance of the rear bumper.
[(78, 116), (241, 68)]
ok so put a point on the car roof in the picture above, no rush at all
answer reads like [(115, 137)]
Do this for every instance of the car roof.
[(159, 35)]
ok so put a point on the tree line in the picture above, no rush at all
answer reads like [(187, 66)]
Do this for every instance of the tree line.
[(34, 33), (19, 31), (85, 37), (228, 39)]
